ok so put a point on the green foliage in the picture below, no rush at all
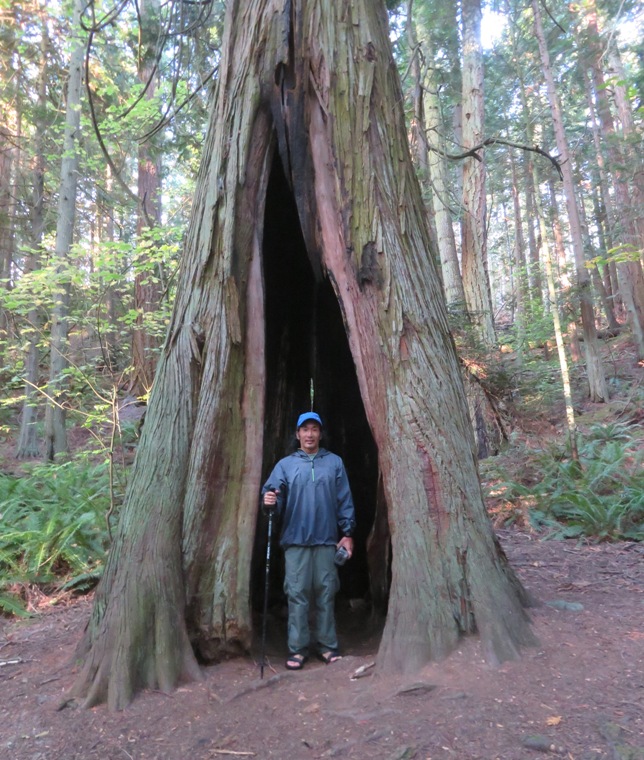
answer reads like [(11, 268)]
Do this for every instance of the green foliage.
[(53, 527), (11, 605), (601, 497), (618, 254), (536, 372)]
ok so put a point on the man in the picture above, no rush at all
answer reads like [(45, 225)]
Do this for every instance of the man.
[(310, 490)]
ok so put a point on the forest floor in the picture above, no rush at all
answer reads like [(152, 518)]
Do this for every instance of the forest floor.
[(578, 695)]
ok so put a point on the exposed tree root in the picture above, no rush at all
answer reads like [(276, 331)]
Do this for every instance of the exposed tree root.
[(122, 661)]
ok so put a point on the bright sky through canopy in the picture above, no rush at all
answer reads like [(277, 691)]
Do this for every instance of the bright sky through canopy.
[(492, 26)]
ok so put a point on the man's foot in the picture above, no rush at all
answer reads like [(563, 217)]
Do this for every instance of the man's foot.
[(329, 655), (295, 661)]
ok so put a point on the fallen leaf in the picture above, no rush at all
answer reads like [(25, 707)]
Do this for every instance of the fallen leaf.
[(554, 720)]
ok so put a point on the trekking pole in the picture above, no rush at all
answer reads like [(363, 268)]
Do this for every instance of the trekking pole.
[(266, 579)]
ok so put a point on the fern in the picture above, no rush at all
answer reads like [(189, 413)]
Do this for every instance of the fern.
[(52, 525), (600, 497), (13, 605)]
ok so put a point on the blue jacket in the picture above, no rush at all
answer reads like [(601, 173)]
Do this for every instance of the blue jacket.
[(314, 498)]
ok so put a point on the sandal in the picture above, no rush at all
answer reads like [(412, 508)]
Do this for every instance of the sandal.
[(329, 656), (295, 661)]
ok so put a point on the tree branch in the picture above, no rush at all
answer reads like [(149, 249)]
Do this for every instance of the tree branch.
[(552, 18), (472, 152)]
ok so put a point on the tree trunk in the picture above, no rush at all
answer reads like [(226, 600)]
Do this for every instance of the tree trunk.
[(535, 279), (418, 129), (27, 441), (147, 284), (629, 268), (535, 303), (6, 197), (561, 350), (476, 282), (605, 211), (521, 289), (631, 141), (315, 81), (562, 268), (55, 429), (445, 240), (9, 140), (596, 379)]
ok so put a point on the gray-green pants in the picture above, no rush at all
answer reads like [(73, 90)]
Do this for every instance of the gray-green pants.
[(311, 577)]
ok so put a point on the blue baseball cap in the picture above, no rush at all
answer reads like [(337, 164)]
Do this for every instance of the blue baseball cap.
[(306, 417)]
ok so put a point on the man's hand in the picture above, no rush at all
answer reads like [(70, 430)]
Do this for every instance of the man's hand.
[(270, 499), (347, 542)]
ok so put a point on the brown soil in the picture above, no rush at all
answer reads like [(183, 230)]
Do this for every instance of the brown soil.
[(579, 695)]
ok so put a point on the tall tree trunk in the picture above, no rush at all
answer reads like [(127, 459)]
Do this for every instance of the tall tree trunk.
[(535, 278), (562, 268), (629, 271), (631, 141), (55, 415), (552, 279), (418, 129), (561, 349), (315, 81), (603, 270), (110, 335), (533, 265), (27, 441), (521, 289), (476, 281), (9, 139), (147, 285), (531, 203), (605, 210), (6, 225), (597, 281), (418, 136), (596, 379), (446, 242)]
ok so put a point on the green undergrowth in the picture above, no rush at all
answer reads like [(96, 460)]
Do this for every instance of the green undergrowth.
[(600, 497), (53, 530)]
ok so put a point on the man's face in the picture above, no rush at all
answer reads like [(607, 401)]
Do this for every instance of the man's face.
[(308, 435)]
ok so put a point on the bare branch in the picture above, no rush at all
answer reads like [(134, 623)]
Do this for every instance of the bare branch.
[(552, 18), (473, 152)]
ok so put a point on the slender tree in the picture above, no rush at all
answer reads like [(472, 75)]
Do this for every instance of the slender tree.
[(437, 175), (8, 162), (27, 440), (561, 349), (476, 283), (308, 117), (594, 369), (603, 202), (55, 416), (629, 269), (521, 290), (147, 284), (630, 141)]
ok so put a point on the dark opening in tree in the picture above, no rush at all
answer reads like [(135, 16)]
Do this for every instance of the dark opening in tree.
[(306, 343)]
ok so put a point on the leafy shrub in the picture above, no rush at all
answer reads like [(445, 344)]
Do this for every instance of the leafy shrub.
[(601, 497), (53, 528)]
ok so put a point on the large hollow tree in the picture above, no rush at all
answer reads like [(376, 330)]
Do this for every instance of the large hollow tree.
[(307, 256)]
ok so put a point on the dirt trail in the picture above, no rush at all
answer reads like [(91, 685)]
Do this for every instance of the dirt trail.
[(579, 695)]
